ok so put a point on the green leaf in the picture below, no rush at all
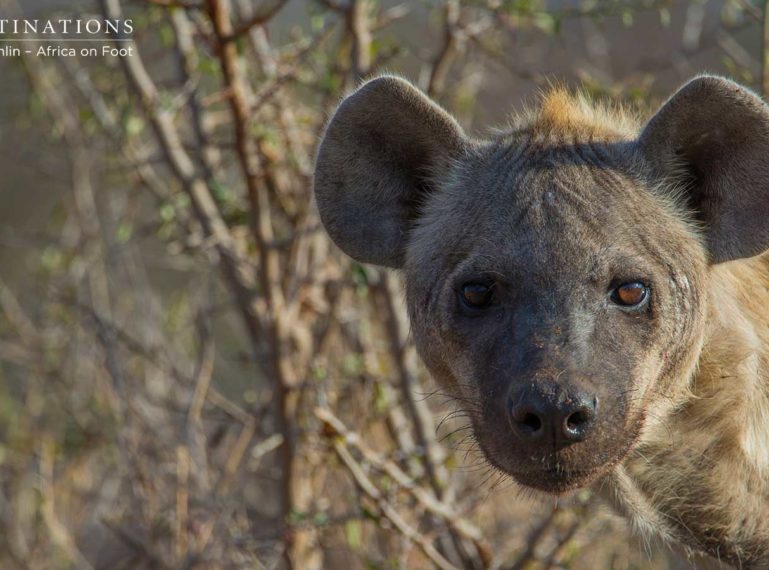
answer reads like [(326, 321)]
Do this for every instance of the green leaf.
[(320, 372), (545, 22), (665, 17), (352, 365), (353, 534), (51, 259), (221, 192), (208, 66), (381, 401), (320, 519), (182, 201), (167, 35), (167, 212), (124, 232), (317, 22)]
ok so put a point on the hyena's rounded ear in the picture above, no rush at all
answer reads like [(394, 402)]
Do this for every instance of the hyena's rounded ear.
[(380, 154), (712, 138)]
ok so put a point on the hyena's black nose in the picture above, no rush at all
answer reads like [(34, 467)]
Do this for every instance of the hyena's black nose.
[(552, 416)]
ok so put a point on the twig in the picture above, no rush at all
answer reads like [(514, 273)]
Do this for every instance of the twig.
[(388, 511), (189, 73), (449, 51), (765, 51), (236, 456), (16, 316), (203, 373), (753, 11), (174, 4), (404, 358), (409, 383), (182, 502), (563, 541), (58, 531), (258, 19), (390, 15), (269, 261), (533, 541), (196, 438), (137, 544), (357, 20), (207, 212), (447, 514), (335, 6)]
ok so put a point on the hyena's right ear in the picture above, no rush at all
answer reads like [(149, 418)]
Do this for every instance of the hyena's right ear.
[(712, 139), (380, 154)]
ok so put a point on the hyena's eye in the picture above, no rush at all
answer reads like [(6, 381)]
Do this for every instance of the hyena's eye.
[(476, 295), (632, 294)]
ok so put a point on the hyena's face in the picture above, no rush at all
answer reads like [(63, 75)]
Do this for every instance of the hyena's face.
[(556, 276), (555, 297)]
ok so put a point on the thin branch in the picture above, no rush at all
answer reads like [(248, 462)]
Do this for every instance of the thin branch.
[(16, 316), (232, 259), (402, 354), (753, 11), (449, 50), (765, 51), (258, 19), (440, 509), (536, 536), (358, 26), (270, 271), (365, 484), (174, 4)]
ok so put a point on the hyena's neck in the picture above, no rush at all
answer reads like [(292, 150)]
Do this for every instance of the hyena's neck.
[(701, 477)]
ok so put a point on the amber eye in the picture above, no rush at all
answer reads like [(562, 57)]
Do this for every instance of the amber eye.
[(630, 294), (476, 295)]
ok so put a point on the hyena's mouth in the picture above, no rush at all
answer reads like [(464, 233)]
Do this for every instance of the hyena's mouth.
[(545, 476), (565, 478), (557, 473), (557, 481)]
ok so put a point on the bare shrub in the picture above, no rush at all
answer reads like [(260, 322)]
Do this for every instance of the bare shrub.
[(192, 376)]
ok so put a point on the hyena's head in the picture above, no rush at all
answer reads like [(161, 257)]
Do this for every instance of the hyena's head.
[(556, 275)]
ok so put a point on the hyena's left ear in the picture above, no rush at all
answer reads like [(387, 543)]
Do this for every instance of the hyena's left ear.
[(713, 137), (380, 156)]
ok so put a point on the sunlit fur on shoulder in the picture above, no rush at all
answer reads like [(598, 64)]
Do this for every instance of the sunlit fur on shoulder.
[(708, 461)]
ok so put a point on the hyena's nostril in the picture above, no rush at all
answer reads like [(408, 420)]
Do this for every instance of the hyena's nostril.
[(577, 424), (534, 414), (532, 422), (526, 420)]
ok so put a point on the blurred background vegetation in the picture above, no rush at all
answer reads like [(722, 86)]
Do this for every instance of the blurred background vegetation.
[(191, 376)]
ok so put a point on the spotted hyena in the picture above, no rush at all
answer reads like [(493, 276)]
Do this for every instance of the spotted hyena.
[(592, 285)]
